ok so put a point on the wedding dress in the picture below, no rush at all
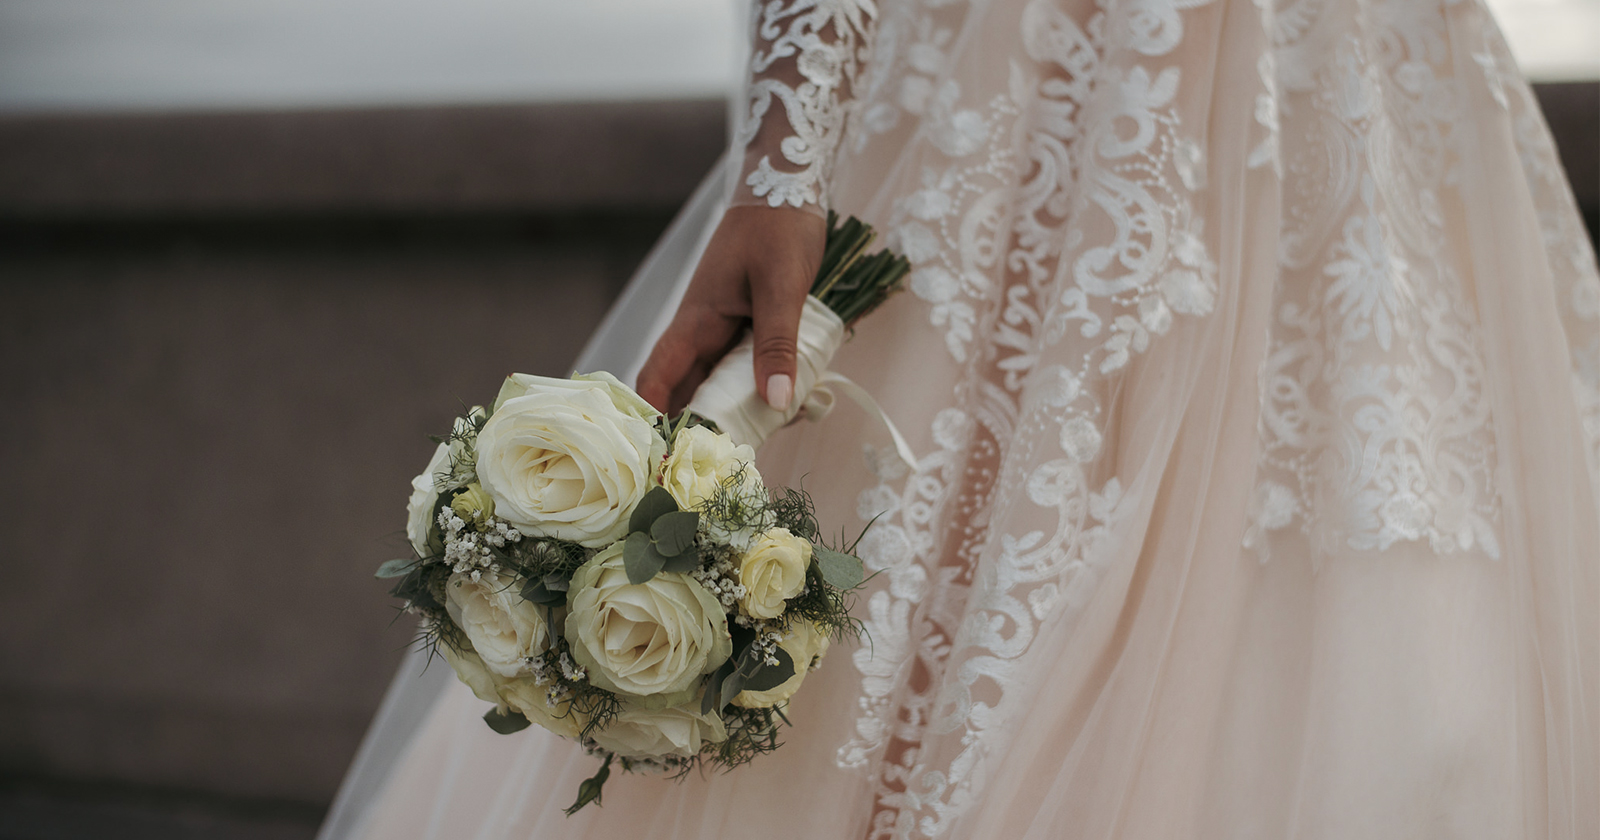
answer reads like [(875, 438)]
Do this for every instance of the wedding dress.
[(1252, 359)]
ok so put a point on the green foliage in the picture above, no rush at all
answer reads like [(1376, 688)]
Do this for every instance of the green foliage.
[(838, 570), (673, 533), (661, 538), (549, 590), (746, 670), (398, 567), (591, 788), (655, 504), (849, 281), (505, 722), (793, 509)]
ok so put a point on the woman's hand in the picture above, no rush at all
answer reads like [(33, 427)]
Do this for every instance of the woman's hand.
[(756, 271)]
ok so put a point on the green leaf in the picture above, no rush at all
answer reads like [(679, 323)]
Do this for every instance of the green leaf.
[(839, 570), (539, 592), (731, 686), (640, 558), (591, 788), (708, 703), (398, 567), (506, 722), (771, 676), (674, 532), (413, 587), (655, 504), (686, 562)]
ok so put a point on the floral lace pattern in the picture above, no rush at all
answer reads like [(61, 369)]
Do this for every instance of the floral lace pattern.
[(805, 58), (1056, 242), (1375, 429), (1057, 227)]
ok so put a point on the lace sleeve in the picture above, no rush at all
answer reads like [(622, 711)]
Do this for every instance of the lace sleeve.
[(804, 56)]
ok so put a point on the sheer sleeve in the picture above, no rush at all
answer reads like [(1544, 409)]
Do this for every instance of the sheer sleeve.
[(804, 59)]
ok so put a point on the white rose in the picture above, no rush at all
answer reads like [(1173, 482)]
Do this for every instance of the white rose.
[(520, 694), (806, 645), (701, 460), (504, 629), (424, 495), (470, 670), (772, 572), (651, 640), (568, 458), (624, 398), (533, 701), (653, 733)]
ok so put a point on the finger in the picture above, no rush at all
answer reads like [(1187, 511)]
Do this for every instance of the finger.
[(687, 386), (670, 362), (775, 304), (699, 335)]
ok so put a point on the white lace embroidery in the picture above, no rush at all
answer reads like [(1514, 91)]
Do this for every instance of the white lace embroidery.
[(1049, 263), (1055, 235), (805, 58), (1374, 425)]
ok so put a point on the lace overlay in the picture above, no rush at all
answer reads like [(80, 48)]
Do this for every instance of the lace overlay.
[(805, 58), (1055, 235), (1374, 426), (1053, 239)]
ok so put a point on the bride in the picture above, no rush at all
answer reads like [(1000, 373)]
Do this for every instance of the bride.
[(1252, 357)]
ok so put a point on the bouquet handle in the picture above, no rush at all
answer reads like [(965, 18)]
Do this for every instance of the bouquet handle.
[(728, 397)]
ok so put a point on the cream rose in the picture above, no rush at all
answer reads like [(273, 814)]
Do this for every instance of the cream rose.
[(806, 645), (651, 640), (679, 731), (504, 629), (625, 399), (519, 694), (568, 458), (533, 701), (772, 572), (424, 495), (470, 670), (473, 505), (700, 461)]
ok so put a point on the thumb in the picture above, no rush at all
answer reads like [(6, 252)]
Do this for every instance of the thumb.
[(775, 307)]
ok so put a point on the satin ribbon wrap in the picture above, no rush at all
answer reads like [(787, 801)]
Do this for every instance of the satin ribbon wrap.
[(729, 398)]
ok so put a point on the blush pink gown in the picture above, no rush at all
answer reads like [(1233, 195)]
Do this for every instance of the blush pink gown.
[(1252, 359)]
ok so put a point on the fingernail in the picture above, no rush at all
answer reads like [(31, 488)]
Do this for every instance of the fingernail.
[(780, 390)]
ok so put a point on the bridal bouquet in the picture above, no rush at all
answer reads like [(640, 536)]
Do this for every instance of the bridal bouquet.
[(626, 579)]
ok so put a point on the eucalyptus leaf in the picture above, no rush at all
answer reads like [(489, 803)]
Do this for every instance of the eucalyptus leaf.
[(556, 582), (674, 532), (686, 562), (655, 504), (731, 686), (506, 722), (398, 567), (771, 676), (640, 558), (708, 702), (839, 570)]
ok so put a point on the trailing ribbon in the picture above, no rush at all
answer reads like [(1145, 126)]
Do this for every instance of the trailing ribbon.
[(728, 396)]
